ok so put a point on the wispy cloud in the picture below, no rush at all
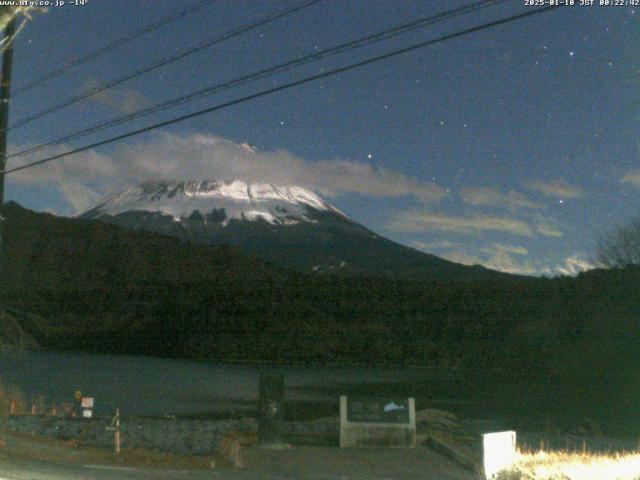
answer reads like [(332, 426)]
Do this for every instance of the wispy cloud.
[(547, 228), (430, 246), (515, 259), (574, 264), (500, 259), (508, 249), (556, 188), (122, 100), (632, 177), (493, 197), (200, 156), (79, 197), (414, 221)]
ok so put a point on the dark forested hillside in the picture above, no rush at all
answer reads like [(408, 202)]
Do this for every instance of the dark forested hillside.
[(106, 289), (155, 294)]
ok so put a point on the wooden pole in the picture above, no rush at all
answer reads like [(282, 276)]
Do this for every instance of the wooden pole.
[(116, 433), (5, 89)]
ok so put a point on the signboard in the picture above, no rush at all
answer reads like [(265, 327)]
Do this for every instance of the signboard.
[(499, 452), (369, 422), (78, 395), (87, 413), (86, 402), (378, 411)]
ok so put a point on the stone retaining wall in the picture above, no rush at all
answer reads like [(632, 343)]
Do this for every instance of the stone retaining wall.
[(198, 437)]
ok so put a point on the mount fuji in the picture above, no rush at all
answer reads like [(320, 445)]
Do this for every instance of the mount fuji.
[(288, 225)]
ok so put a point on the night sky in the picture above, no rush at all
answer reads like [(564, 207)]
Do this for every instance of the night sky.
[(513, 147)]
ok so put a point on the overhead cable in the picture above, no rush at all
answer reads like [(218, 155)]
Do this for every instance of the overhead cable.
[(242, 80), (92, 55), (286, 86), (165, 61)]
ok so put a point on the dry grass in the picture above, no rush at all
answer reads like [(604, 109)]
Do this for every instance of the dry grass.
[(574, 466), (7, 394)]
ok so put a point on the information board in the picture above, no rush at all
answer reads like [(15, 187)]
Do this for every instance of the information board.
[(377, 422), (390, 410)]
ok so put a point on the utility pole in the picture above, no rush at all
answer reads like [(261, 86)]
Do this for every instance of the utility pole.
[(5, 91)]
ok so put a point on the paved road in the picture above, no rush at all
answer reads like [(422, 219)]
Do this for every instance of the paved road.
[(36, 470), (299, 463)]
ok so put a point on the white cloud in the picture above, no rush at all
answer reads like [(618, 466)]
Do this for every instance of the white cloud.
[(514, 259), (546, 228), (509, 249), (413, 221), (74, 181), (200, 156), (122, 100), (632, 177), (574, 264), (493, 197), (79, 197), (556, 188), (428, 246), (463, 258), (499, 259), (207, 156)]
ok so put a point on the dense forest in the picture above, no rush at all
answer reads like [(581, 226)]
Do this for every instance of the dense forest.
[(105, 289)]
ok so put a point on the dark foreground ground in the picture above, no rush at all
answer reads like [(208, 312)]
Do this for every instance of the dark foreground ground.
[(25, 458)]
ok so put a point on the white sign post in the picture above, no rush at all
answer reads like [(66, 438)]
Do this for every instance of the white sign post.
[(87, 407), (499, 451)]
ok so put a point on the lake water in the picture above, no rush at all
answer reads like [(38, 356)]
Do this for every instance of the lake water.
[(155, 386)]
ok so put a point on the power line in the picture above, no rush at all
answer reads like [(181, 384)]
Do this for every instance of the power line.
[(167, 60), (286, 86), (339, 49), (116, 43)]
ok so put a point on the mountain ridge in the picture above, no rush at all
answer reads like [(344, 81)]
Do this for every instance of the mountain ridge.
[(288, 225), (275, 204)]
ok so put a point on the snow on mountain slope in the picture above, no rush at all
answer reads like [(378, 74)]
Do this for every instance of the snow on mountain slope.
[(289, 226), (277, 205)]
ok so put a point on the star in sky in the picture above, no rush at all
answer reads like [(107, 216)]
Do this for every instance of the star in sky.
[(518, 92)]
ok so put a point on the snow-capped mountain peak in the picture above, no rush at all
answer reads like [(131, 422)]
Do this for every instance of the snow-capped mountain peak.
[(287, 225), (275, 204)]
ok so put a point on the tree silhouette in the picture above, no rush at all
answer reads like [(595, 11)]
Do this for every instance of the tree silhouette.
[(621, 247)]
